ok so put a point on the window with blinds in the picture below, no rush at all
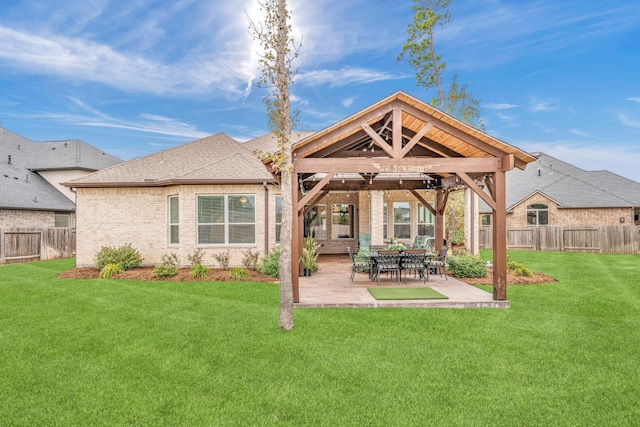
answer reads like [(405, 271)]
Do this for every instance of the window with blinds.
[(174, 220), (227, 219)]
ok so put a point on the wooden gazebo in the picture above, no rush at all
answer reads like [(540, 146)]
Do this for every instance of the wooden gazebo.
[(404, 143)]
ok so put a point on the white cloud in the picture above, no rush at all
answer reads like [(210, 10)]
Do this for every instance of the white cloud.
[(538, 105), (146, 123), (634, 99), (628, 121), (345, 76), (581, 133), (348, 101), (503, 106)]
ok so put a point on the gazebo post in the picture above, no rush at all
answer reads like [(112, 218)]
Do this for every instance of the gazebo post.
[(500, 238)]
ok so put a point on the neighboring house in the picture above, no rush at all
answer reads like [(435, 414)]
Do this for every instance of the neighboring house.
[(30, 177), (550, 192)]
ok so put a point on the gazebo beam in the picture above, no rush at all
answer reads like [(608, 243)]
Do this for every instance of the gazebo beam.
[(402, 165)]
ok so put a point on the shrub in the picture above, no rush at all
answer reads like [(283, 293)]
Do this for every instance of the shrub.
[(171, 259), (110, 270), (250, 259), (196, 258), (199, 271), (270, 265), (223, 259), (127, 256), (164, 271), (467, 265), (238, 273), (518, 268)]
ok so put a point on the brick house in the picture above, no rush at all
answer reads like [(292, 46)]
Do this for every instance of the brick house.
[(31, 194), (551, 192), (383, 172)]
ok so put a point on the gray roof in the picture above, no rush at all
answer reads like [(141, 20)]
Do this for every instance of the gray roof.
[(569, 186), (267, 143), (215, 159), (53, 155), (21, 187)]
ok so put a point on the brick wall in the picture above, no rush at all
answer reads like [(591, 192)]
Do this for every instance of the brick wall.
[(10, 218), (116, 216), (570, 217)]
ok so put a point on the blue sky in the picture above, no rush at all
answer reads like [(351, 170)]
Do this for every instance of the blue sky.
[(135, 77)]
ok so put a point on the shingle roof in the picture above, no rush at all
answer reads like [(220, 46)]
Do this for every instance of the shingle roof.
[(267, 143), (21, 187), (215, 159), (53, 155), (569, 186)]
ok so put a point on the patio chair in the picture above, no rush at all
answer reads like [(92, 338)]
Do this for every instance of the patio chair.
[(439, 263), (387, 262), (419, 242), (364, 241), (357, 266), (414, 260)]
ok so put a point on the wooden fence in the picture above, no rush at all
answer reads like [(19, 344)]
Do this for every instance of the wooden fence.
[(33, 244), (623, 239)]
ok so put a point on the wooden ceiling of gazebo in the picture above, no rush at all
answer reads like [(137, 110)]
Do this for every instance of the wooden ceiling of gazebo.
[(426, 134)]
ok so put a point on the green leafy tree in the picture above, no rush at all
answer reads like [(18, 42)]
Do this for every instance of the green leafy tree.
[(420, 48), (279, 51)]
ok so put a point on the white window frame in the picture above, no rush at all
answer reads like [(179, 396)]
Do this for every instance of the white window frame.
[(404, 224), (173, 222), (278, 224), (352, 219), (534, 210), (385, 221), (226, 224), (427, 215)]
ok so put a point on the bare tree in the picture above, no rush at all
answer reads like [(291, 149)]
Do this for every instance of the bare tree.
[(278, 54)]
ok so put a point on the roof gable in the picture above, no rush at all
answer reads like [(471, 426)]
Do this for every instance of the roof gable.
[(426, 132)]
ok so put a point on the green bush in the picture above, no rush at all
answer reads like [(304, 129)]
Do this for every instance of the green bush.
[(518, 268), (110, 270), (238, 273), (164, 271), (467, 265), (250, 259), (270, 265), (199, 271), (127, 256)]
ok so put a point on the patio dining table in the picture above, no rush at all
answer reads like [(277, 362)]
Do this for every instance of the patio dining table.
[(373, 258)]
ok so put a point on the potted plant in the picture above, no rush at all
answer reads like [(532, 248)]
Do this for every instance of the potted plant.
[(394, 240), (309, 258)]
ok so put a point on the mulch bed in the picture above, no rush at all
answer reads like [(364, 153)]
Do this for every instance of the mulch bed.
[(512, 279), (146, 274)]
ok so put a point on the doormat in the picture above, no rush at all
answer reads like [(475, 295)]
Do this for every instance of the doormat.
[(405, 293)]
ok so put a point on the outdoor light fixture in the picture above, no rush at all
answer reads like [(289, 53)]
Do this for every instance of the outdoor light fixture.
[(371, 180), (400, 181)]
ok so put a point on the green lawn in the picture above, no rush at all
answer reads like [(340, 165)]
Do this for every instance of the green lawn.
[(109, 352)]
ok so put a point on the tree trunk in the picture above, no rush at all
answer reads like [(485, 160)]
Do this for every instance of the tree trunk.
[(282, 86)]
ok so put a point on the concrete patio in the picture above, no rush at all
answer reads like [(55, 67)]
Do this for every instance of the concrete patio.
[(330, 287)]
